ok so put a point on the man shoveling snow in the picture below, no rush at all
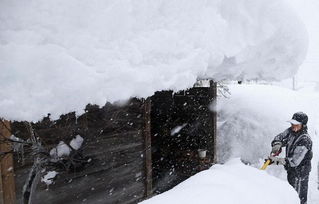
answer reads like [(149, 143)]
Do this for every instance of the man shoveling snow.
[(298, 154)]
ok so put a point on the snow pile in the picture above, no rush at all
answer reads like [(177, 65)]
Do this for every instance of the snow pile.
[(254, 115), (231, 183), (57, 56)]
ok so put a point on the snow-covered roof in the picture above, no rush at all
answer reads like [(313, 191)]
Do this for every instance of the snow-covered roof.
[(57, 56)]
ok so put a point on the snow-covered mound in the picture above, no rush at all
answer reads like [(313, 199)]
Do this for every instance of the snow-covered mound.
[(57, 56), (254, 114), (231, 183)]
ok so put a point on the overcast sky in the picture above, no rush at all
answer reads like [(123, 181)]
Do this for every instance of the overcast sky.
[(308, 11)]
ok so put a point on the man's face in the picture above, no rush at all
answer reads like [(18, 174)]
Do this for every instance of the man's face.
[(296, 128)]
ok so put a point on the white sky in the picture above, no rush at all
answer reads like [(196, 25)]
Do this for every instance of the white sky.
[(308, 11)]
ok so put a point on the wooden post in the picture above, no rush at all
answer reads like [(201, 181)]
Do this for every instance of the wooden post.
[(213, 98), (1, 190), (6, 168), (147, 144)]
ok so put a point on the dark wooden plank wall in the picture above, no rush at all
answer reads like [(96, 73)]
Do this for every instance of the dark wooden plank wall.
[(213, 101), (148, 148), (114, 145), (125, 163)]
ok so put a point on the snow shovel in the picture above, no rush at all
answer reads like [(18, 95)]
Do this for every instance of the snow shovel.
[(268, 161)]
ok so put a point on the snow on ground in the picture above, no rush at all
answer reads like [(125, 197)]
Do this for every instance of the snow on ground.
[(57, 56), (231, 183)]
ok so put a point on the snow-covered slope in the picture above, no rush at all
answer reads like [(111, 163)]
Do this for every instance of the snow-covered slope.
[(57, 56), (231, 183)]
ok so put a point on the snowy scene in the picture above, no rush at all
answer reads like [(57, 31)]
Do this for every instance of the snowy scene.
[(177, 102)]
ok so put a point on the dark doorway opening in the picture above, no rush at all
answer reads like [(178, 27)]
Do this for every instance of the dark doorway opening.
[(181, 124)]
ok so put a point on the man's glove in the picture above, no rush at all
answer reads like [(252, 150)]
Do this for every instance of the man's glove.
[(277, 160), (276, 148)]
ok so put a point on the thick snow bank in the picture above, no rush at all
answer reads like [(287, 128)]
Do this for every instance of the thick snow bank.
[(231, 183), (254, 115), (57, 56)]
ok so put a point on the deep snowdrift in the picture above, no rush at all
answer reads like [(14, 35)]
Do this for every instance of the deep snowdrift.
[(231, 183), (57, 56)]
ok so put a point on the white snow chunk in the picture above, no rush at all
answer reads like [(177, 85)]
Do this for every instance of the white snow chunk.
[(17, 145), (48, 178), (17, 139), (60, 150), (76, 143)]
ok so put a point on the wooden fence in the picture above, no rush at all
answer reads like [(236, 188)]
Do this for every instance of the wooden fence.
[(121, 161), (116, 147)]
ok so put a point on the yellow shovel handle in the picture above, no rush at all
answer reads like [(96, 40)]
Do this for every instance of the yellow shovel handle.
[(265, 164)]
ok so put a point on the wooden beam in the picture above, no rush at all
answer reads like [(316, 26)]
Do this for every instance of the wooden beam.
[(148, 145), (213, 98), (7, 175)]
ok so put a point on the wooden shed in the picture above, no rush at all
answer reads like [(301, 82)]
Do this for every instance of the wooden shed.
[(130, 151)]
